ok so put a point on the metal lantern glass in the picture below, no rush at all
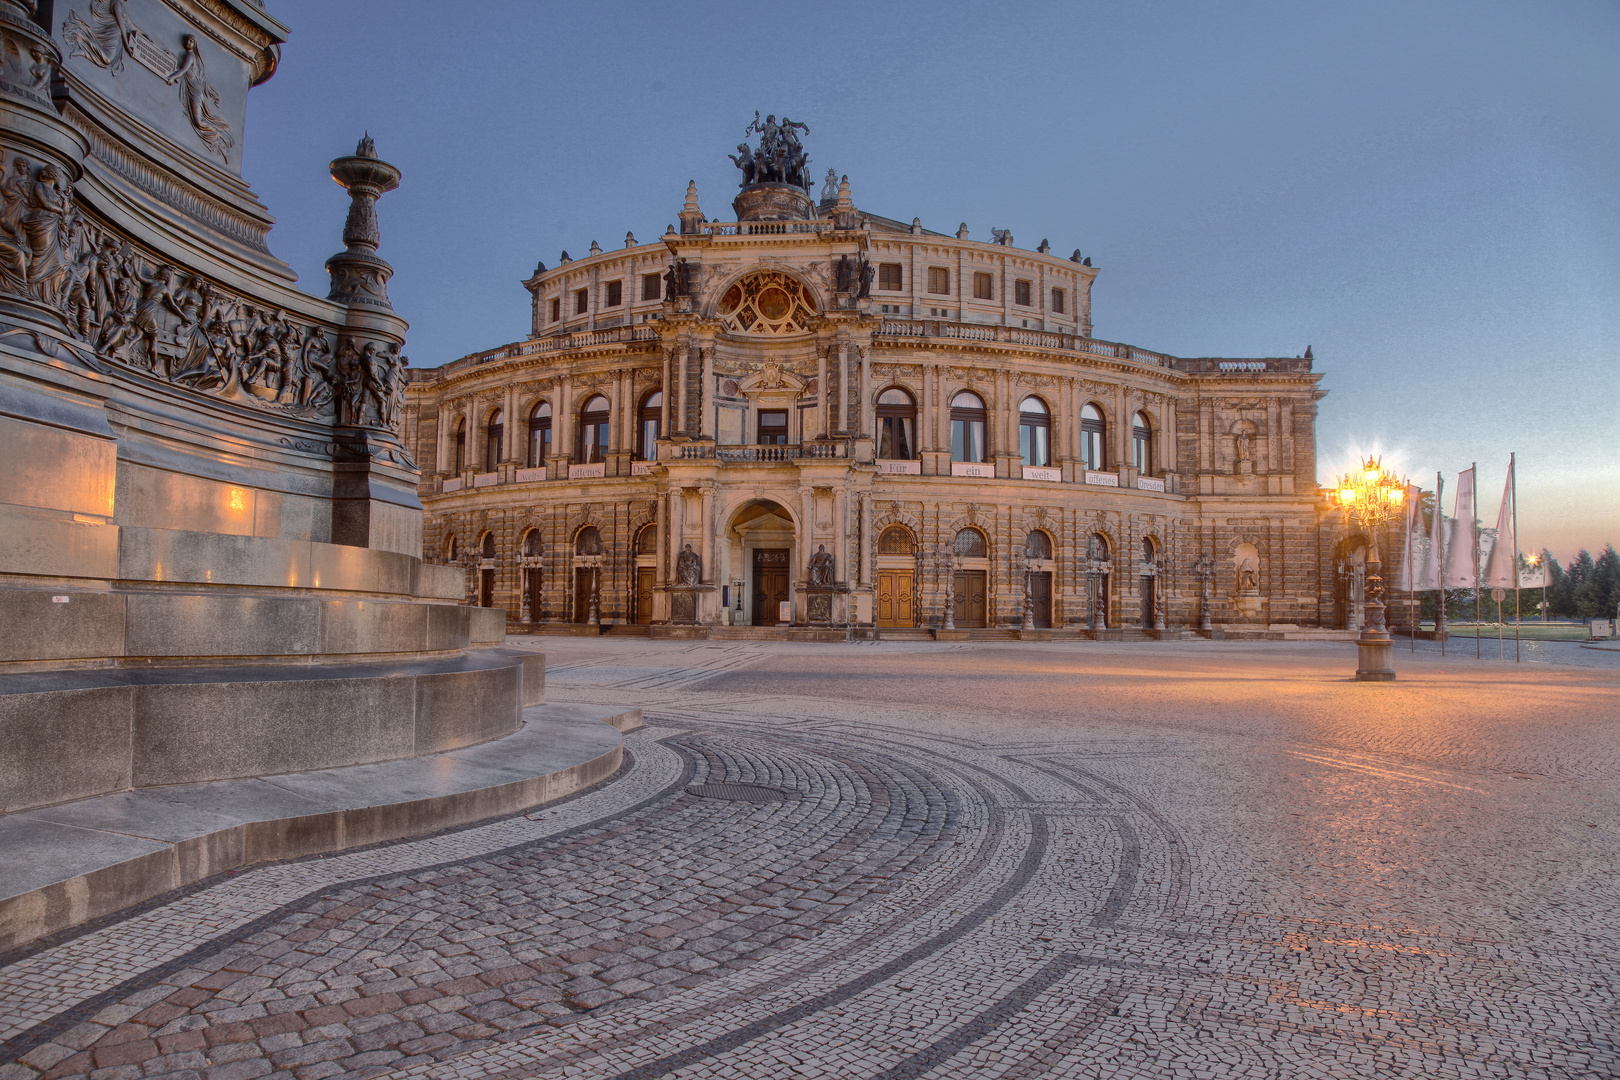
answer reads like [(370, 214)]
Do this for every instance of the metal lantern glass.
[(1371, 497)]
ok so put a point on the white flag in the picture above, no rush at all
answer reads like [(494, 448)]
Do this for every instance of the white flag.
[(1499, 565), (1437, 540), (1462, 539), (1411, 554)]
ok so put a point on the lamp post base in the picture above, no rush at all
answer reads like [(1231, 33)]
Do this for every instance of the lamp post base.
[(1376, 656)]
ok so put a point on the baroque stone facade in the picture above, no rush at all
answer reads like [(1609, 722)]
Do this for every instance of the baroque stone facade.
[(839, 419)]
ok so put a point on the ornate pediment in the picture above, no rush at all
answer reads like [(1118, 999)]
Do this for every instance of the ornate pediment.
[(771, 377)]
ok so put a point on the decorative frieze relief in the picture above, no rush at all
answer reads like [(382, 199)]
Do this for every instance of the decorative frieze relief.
[(142, 314)]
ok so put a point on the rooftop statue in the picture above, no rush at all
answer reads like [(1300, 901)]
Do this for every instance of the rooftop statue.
[(780, 156)]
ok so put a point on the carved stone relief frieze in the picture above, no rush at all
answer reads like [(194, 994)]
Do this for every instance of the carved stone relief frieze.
[(140, 313), (109, 36)]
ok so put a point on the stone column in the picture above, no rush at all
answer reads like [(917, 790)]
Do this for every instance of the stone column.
[(863, 526), (677, 530), (668, 386), (513, 450), (863, 402), (807, 530), (562, 423), (705, 395), (822, 413), (707, 525)]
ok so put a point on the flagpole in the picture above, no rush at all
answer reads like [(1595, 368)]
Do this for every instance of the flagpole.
[(1412, 511), (1440, 604), (1513, 476), (1473, 509)]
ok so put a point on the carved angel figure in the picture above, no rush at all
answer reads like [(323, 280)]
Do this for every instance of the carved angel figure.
[(199, 98), (105, 39)]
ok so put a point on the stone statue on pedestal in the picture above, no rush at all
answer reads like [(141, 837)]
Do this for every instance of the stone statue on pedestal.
[(689, 567), (821, 568)]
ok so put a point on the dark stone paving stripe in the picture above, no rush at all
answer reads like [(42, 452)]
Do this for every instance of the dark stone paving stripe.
[(983, 1024), (46, 1030), (1027, 868), (1130, 858)]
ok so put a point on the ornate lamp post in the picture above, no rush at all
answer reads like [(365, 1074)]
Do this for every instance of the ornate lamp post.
[(1097, 570), (1204, 570), (948, 563), (1371, 497), (594, 562)]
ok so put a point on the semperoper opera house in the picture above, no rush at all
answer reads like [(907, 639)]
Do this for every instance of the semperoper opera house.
[(812, 416)]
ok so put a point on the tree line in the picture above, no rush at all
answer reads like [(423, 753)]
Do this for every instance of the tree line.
[(1587, 588)]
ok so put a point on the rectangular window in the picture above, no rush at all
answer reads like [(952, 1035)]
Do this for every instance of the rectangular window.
[(556, 308), (967, 440), (773, 427), (615, 294), (582, 301), (652, 286), (1057, 301), (939, 281), (984, 287), (889, 276), (1021, 292)]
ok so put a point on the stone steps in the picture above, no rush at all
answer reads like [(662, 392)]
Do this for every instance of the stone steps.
[(67, 864)]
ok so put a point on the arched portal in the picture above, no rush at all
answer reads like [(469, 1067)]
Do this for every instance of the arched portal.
[(762, 539)]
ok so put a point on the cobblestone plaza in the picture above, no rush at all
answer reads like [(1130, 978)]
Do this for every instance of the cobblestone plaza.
[(951, 859)]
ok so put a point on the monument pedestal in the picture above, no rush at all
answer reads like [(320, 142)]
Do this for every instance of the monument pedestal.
[(1375, 654)]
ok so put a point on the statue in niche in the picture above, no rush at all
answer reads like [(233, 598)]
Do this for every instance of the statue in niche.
[(688, 567), (1243, 446), (867, 273), (821, 568), (199, 98), (678, 279), (1248, 580)]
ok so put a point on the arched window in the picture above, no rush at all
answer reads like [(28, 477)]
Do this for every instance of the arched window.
[(897, 425), (1038, 545), (1097, 547), (647, 540), (1141, 444), (1092, 432), (967, 427), (539, 435), (1149, 549), (449, 548), (970, 543), (461, 444), (1034, 424), (593, 431), (532, 546), (588, 541), (493, 438), (896, 540), (487, 548), (650, 417), (486, 572)]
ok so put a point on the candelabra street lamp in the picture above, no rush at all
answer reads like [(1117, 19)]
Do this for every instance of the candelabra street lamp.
[(1204, 569), (594, 563), (1371, 497), (948, 563)]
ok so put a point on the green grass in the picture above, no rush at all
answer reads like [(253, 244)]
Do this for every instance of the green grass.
[(1528, 631)]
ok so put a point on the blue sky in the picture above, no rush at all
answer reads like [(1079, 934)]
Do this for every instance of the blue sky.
[(1425, 193)]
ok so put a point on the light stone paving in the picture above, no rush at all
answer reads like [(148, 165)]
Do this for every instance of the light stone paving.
[(1019, 861)]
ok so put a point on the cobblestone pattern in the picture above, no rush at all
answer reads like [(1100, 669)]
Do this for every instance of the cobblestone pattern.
[(950, 888)]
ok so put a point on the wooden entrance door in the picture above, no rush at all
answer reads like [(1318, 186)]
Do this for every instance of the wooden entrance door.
[(644, 594), (1040, 597), (584, 579), (1148, 584), (486, 588), (770, 584), (969, 608), (894, 598)]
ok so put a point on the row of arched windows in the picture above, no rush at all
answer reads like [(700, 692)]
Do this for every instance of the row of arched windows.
[(896, 432), (592, 439)]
